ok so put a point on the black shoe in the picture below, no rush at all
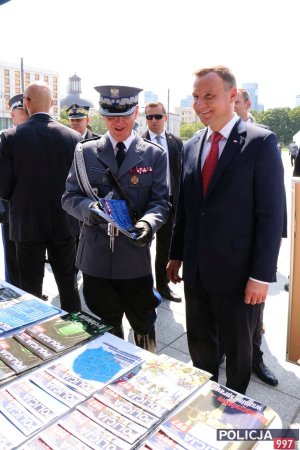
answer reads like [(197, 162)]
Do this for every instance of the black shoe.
[(167, 294), (264, 374), (44, 297), (287, 287)]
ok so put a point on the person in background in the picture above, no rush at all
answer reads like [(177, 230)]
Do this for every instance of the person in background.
[(117, 275), (293, 152), (35, 158), (78, 116), (156, 117), (18, 115), (228, 228)]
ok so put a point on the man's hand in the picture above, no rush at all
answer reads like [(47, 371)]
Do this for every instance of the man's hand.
[(94, 218), (143, 231), (255, 292), (173, 267)]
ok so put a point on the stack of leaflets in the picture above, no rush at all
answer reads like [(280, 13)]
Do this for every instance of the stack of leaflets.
[(17, 357), (160, 384), (25, 310), (216, 407), (66, 331)]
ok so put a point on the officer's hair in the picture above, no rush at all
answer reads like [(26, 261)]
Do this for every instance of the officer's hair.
[(221, 71), (155, 105), (245, 95)]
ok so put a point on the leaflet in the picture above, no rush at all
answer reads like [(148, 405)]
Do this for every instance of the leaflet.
[(42, 405), (57, 389), (112, 421), (126, 408), (91, 433)]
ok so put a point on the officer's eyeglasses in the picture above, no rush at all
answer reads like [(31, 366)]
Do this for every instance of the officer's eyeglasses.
[(154, 116)]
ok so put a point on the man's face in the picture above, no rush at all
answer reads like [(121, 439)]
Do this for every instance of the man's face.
[(18, 116), (241, 106), (120, 127), (157, 124), (79, 125), (213, 100)]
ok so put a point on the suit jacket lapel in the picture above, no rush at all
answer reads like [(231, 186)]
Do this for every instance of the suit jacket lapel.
[(233, 147)]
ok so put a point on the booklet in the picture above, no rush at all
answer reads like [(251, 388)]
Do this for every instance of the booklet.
[(125, 407), (216, 406), (161, 441), (34, 346), (56, 389), (160, 384), (91, 433), (112, 421), (26, 422), (66, 331), (42, 405), (10, 436), (6, 372), (16, 356), (7, 293), (57, 438), (25, 312), (116, 212), (93, 365)]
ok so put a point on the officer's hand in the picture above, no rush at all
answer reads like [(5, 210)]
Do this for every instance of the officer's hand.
[(144, 234), (94, 218)]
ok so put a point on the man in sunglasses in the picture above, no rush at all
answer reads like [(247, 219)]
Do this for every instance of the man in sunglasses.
[(156, 118), (117, 274)]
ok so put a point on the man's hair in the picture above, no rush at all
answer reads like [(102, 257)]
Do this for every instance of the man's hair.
[(155, 105), (222, 71), (245, 95)]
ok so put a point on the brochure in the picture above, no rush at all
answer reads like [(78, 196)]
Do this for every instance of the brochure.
[(66, 331), (194, 426), (17, 357)]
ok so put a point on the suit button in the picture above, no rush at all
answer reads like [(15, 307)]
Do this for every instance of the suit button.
[(202, 213)]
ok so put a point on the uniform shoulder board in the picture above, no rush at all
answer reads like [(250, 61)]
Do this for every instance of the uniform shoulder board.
[(94, 138), (152, 142)]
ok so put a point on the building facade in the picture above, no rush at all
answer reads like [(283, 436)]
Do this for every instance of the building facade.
[(13, 80)]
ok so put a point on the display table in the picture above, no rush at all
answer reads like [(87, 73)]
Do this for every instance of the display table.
[(104, 392)]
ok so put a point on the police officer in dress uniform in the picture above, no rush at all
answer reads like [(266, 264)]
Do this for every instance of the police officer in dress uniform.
[(18, 115), (78, 116), (118, 280)]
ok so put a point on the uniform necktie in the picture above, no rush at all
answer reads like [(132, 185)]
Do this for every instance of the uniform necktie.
[(211, 161), (158, 139), (120, 153)]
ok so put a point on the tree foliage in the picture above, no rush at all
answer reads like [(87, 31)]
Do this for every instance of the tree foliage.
[(187, 130), (285, 122)]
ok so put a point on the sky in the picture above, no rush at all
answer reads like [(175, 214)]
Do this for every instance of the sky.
[(157, 45)]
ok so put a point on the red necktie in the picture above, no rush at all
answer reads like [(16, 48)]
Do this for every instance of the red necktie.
[(211, 161)]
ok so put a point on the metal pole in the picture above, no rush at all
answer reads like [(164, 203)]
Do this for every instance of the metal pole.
[(22, 75)]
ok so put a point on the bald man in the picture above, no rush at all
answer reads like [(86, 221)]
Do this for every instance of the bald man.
[(35, 159)]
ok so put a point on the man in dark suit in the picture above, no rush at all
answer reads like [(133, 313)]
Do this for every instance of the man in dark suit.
[(228, 228), (242, 108), (78, 116), (18, 115), (156, 117), (35, 159)]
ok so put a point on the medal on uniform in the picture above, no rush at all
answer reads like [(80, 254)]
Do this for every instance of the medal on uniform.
[(134, 179)]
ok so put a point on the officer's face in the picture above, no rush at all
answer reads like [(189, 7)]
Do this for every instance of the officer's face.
[(79, 125), (120, 127)]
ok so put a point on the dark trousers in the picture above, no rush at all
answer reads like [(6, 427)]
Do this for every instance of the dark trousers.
[(208, 315), (61, 257), (163, 241), (111, 299), (10, 257)]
